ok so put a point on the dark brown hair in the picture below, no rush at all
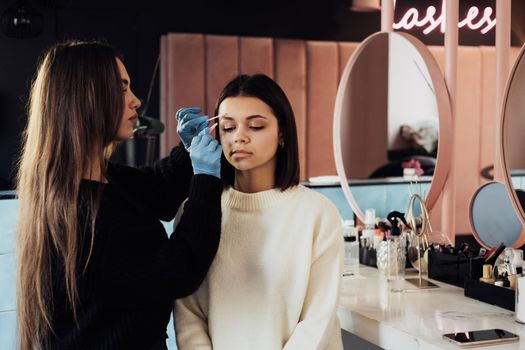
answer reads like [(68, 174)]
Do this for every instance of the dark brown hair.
[(267, 90), (75, 108)]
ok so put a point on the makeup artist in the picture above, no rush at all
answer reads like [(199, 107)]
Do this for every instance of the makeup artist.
[(96, 269)]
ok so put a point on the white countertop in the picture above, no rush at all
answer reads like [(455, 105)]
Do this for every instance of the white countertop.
[(416, 319)]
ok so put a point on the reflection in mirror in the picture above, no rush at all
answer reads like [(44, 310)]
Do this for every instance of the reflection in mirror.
[(492, 216), (392, 114), (513, 139), (391, 109), (515, 125)]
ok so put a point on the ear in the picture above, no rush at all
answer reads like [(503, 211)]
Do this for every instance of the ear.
[(281, 137)]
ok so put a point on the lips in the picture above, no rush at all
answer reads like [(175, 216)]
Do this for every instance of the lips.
[(240, 153)]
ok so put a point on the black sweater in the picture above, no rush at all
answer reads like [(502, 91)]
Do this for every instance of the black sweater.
[(135, 271)]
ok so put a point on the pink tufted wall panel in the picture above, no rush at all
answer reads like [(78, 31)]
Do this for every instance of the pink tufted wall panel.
[(194, 68)]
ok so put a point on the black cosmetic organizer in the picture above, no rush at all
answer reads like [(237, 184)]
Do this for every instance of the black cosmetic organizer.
[(465, 272), (491, 294), (453, 268)]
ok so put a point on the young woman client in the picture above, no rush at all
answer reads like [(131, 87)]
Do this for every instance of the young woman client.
[(275, 281)]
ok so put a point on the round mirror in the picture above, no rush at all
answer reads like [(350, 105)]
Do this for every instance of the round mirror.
[(513, 142), (392, 112), (492, 217)]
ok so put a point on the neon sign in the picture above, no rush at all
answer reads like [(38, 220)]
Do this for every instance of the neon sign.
[(430, 22)]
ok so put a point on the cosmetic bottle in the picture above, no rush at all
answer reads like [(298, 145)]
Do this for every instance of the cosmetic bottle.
[(512, 281), (351, 248), (487, 274), (369, 226), (517, 260), (519, 301), (391, 255), (409, 174)]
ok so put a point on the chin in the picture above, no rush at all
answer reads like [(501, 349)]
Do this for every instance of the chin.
[(240, 166), (243, 168)]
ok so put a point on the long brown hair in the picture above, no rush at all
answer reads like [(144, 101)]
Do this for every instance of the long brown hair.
[(75, 107)]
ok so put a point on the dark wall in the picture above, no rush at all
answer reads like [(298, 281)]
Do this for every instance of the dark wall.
[(135, 26)]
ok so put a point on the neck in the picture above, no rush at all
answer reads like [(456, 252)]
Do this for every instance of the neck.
[(251, 182)]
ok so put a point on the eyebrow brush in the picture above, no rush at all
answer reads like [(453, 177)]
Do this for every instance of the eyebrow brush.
[(212, 118)]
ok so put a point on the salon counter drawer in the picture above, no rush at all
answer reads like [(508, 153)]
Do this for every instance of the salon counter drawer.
[(415, 319)]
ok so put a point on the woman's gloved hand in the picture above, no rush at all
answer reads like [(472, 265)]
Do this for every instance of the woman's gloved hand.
[(189, 124), (205, 154)]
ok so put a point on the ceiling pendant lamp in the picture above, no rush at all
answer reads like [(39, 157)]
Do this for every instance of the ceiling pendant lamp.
[(21, 21)]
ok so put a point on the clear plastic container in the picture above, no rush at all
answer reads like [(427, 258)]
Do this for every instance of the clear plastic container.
[(391, 257), (351, 258)]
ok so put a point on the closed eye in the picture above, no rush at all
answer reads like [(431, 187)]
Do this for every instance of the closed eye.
[(125, 85), (230, 129)]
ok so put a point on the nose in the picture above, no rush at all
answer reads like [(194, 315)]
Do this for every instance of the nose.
[(135, 102), (240, 135)]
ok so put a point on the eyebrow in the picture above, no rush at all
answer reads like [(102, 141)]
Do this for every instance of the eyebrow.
[(247, 118)]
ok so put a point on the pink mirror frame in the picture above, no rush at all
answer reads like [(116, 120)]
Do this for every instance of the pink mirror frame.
[(504, 147)]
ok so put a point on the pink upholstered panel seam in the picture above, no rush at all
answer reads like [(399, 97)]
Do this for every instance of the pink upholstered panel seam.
[(323, 78), (290, 74)]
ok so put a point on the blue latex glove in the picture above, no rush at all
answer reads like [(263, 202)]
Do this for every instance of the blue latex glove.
[(205, 154), (190, 124)]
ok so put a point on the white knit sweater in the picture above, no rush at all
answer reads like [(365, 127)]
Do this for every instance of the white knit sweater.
[(275, 281)]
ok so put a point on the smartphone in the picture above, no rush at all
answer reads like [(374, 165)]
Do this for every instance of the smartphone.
[(481, 337)]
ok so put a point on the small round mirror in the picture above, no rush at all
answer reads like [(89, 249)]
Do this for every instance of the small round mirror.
[(492, 216)]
